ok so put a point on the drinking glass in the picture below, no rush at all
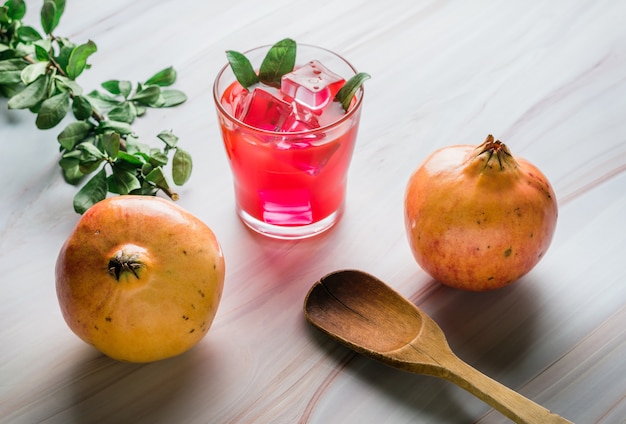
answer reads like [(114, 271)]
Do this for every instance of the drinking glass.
[(289, 185)]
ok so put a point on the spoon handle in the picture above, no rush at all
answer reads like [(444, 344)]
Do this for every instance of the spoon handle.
[(510, 403)]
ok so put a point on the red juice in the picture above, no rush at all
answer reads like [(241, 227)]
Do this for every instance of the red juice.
[(289, 178)]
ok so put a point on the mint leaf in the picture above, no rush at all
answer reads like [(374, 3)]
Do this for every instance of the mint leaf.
[(280, 60), (242, 68), (163, 78), (349, 89)]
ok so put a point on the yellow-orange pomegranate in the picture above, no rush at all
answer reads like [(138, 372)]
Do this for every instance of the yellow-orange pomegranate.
[(140, 278), (478, 218)]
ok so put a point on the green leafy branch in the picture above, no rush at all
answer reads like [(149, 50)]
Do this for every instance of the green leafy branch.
[(39, 73)]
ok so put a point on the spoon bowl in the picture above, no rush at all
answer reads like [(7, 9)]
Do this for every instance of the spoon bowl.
[(362, 312)]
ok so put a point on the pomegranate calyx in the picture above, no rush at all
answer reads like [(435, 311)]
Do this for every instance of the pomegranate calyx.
[(495, 148), (125, 261)]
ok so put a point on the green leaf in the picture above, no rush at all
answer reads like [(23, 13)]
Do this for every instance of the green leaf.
[(147, 189), (172, 98), (11, 70), (94, 191), (51, 14), (103, 100), (123, 113), (163, 78), (64, 55), (48, 16), (158, 158), (148, 96), (157, 177), (71, 171), (134, 147), (28, 34), (16, 64), (123, 181), (120, 127), (33, 71), (90, 151), (347, 92), (118, 87), (53, 110), (140, 109), (87, 166), (16, 9), (111, 143), (168, 138), (4, 17), (280, 60), (133, 160), (146, 168), (10, 90), (66, 84), (31, 95), (60, 4), (73, 134), (242, 68), (181, 167), (78, 58), (81, 108), (41, 54)]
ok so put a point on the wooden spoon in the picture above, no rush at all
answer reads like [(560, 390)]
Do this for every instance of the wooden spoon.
[(365, 314)]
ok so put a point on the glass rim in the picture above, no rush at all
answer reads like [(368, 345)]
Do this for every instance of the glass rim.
[(225, 113)]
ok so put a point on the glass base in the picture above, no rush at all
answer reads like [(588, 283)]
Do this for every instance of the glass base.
[(290, 232)]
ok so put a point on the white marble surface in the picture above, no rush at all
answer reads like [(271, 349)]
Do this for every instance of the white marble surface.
[(547, 78)]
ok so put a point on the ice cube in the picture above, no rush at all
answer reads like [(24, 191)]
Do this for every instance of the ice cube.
[(261, 109), (313, 159), (300, 119), (306, 155), (312, 85)]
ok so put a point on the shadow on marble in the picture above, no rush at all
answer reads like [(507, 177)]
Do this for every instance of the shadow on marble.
[(104, 390), (416, 396), (492, 331)]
